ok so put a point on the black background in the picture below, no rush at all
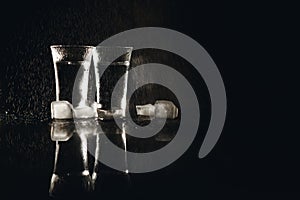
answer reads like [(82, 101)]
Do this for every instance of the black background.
[(252, 45)]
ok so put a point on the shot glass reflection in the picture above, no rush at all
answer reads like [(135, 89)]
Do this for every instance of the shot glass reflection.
[(70, 172)]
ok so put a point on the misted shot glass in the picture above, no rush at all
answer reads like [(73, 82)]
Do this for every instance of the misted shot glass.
[(71, 61), (110, 64), (72, 72)]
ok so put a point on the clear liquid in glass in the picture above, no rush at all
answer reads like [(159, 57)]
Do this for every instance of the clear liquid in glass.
[(66, 82)]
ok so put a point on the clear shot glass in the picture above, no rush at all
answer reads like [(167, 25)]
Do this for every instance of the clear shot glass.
[(71, 62), (110, 64)]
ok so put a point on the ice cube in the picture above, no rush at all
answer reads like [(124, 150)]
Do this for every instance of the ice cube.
[(165, 109), (145, 110), (110, 114), (161, 109), (85, 111), (61, 110)]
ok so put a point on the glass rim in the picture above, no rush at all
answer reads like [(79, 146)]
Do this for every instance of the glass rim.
[(71, 46), (112, 47)]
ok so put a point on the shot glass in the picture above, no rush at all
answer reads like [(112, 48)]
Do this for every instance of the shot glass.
[(72, 73), (110, 64)]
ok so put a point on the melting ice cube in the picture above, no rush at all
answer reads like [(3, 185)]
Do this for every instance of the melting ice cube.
[(161, 109), (61, 110), (86, 111)]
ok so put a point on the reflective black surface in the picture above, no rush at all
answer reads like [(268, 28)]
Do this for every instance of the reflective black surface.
[(51, 157)]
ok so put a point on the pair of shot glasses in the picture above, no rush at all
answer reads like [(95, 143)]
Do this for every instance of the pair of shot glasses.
[(85, 80)]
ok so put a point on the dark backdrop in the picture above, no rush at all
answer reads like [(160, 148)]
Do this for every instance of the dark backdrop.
[(257, 151)]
